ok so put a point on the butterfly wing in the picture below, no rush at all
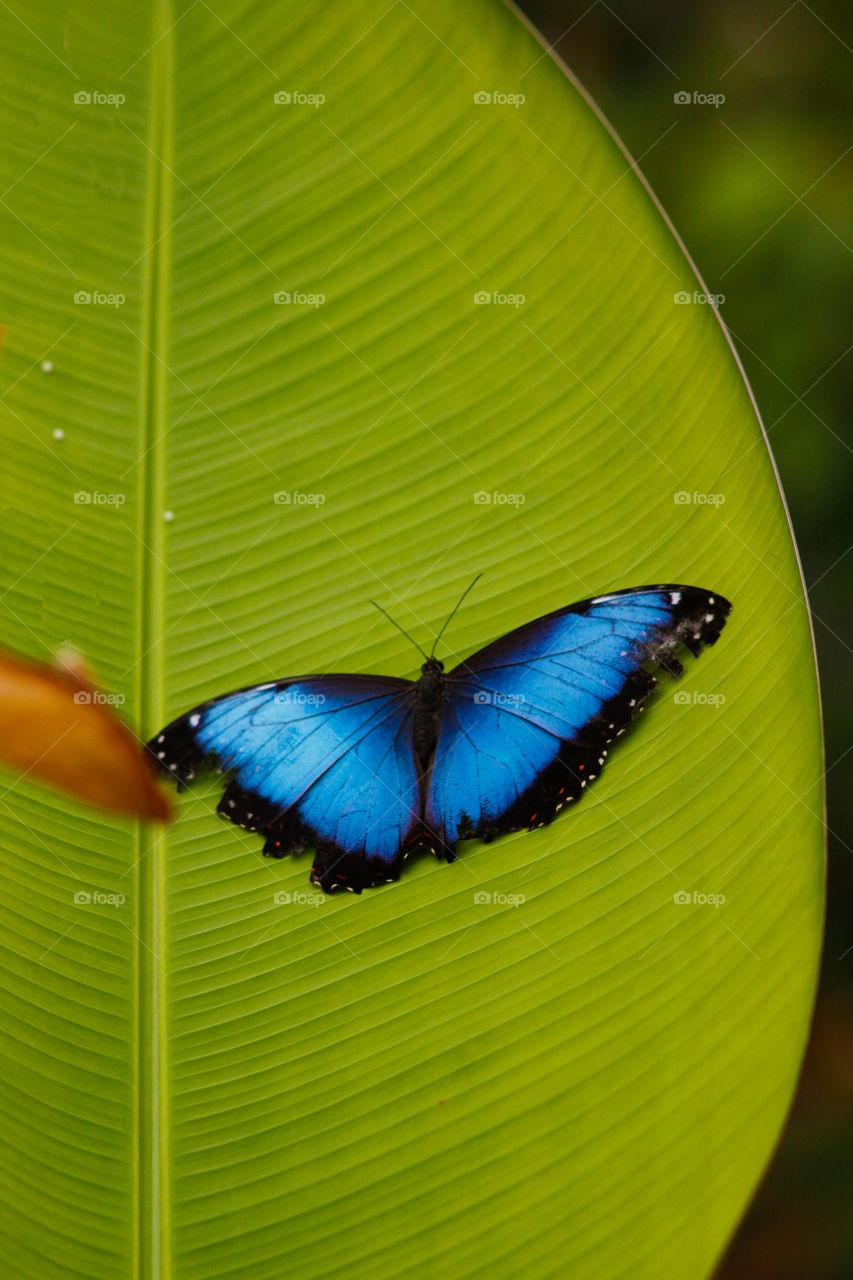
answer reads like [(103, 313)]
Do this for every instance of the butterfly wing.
[(324, 762), (527, 721)]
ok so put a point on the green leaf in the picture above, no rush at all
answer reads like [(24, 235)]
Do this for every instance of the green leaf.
[(203, 1081)]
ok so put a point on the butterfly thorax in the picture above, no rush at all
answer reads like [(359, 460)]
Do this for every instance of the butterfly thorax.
[(428, 700)]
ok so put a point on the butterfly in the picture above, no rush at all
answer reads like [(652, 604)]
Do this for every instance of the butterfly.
[(367, 769)]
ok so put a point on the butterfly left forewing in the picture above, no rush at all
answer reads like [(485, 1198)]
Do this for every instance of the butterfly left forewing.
[(324, 762)]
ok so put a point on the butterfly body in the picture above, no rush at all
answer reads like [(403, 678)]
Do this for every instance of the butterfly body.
[(428, 696), (368, 769)]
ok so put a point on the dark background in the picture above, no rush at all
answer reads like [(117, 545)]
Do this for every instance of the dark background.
[(760, 189)]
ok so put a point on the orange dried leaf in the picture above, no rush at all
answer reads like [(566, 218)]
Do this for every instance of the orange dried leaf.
[(56, 727)]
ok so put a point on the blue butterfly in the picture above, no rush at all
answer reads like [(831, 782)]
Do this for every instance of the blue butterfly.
[(367, 769)]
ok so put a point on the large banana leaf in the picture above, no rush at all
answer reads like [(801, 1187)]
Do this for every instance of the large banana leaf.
[(207, 1079)]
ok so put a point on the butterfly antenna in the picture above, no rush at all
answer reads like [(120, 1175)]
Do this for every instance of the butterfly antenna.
[(397, 625), (453, 613)]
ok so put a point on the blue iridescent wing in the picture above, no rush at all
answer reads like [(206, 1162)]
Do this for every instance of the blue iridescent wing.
[(527, 721), (326, 762)]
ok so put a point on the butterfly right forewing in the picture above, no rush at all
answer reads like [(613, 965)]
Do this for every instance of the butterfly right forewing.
[(529, 718)]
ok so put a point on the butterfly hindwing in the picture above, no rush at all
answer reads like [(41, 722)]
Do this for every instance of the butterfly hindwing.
[(528, 719), (324, 762)]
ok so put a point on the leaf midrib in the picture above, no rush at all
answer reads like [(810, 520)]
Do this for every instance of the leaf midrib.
[(151, 1235)]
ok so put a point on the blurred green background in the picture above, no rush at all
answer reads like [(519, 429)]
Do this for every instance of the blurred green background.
[(759, 188)]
